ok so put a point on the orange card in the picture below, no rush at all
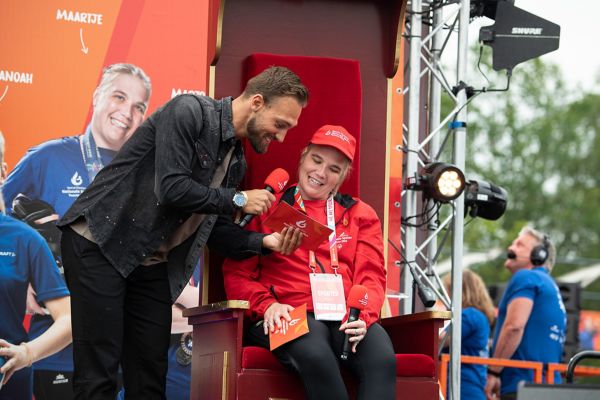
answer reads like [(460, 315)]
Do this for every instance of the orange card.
[(285, 215), (289, 331)]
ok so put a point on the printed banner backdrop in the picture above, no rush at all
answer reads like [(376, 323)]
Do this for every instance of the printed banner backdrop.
[(589, 330), (53, 52)]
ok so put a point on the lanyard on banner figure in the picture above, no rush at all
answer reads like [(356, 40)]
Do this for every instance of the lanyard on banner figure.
[(312, 260), (90, 153)]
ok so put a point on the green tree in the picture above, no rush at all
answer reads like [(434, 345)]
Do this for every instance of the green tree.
[(539, 140)]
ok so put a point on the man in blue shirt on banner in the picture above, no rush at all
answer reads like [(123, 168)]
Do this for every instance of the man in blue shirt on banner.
[(58, 171), (531, 316)]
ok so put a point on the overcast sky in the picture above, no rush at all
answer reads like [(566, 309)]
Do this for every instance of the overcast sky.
[(578, 54)]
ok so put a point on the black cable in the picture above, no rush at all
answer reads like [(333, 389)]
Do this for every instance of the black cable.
[(479, 63)]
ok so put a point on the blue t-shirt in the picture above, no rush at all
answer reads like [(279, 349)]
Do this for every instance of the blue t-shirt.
[(544, 333), (475, 335), (24, 258), (54, 172)]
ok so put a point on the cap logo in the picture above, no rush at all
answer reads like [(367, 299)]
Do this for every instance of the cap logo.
[(338, 134)]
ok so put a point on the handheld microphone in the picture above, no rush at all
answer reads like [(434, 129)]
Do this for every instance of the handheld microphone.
[(357, 301), (274, 183)]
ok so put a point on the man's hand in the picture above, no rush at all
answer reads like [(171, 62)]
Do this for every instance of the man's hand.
[(492, 387), (275, 312), (285, 242), (259, 201)]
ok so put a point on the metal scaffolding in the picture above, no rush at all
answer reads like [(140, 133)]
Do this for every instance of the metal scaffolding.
[(430, 26)]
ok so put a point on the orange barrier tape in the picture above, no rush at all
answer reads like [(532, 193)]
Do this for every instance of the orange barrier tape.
[(581, 370), (537, 367)]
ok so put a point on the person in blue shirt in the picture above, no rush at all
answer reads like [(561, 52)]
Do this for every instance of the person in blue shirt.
[(26, 259), (477, 317), (58, 171), (531, 315)]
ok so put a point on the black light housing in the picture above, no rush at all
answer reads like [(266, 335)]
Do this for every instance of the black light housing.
[(442, 181), (485, 200)]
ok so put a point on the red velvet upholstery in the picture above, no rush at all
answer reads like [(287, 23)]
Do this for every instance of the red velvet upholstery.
[(407, 365), (413, 365), (335, 97), (259, 358)]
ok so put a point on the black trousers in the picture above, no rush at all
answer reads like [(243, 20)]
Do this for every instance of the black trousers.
[(116, 320), (316, 358)]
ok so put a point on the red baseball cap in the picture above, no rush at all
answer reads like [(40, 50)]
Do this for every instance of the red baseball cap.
[(337, 137)]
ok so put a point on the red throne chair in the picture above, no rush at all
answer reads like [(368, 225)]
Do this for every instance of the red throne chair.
[(222, 367)]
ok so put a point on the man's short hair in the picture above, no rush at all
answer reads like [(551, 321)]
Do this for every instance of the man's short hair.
[(276, 82), (542, 239), (112, 71)]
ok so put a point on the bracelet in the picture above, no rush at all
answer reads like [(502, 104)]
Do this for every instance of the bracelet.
[(28, 354), (494, 373)]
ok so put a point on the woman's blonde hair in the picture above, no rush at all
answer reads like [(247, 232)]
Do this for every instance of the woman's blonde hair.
[(474, 293)]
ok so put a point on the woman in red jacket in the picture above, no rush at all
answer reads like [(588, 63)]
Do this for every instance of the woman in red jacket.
[(276, 284)]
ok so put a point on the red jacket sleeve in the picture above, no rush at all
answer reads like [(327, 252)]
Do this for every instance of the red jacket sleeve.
[(241, 279), (369, 269)]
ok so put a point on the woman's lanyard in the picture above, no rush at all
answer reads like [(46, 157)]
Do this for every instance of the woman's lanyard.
[(90, 153), (312, 260)]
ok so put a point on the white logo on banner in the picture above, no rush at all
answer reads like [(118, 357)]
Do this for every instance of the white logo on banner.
[(76, 179)]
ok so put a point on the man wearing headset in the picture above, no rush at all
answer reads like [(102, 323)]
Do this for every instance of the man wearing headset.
[(531, 316)]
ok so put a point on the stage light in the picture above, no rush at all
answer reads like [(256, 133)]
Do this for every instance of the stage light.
[(485, 200), (442, 181), (517, 35)]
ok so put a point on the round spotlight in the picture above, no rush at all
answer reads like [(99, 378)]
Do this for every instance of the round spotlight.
[(443, 182)]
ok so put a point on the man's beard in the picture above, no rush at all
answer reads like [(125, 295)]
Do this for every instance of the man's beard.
[(254, 137)]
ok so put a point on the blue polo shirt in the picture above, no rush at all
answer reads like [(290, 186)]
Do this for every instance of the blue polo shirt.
[(475, 335), (24, 258), (544, 333)]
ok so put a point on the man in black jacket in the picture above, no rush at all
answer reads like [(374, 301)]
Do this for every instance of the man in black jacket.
[(131, 240)]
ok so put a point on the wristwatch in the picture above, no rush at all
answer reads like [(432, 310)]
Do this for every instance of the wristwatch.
[(240, 199)]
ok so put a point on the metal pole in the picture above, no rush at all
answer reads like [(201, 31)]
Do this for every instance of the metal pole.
[(460, 131), (435, 110), (410, 196)]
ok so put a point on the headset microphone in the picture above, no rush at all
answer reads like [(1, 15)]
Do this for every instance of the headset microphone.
[(274, 183)]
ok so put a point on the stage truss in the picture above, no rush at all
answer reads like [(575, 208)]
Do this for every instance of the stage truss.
[(426, 134)]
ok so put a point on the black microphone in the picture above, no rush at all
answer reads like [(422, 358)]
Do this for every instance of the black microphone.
[(274, 183), (357, 301), (511, 255)]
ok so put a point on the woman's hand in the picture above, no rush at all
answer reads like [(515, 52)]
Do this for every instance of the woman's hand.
[(17, 357), (285, 242), (273, 316), (356, 330)]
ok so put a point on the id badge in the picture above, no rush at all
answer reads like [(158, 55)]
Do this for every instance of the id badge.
[(329, 302)]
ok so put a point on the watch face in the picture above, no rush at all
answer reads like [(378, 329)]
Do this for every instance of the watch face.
[(239, 200)]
